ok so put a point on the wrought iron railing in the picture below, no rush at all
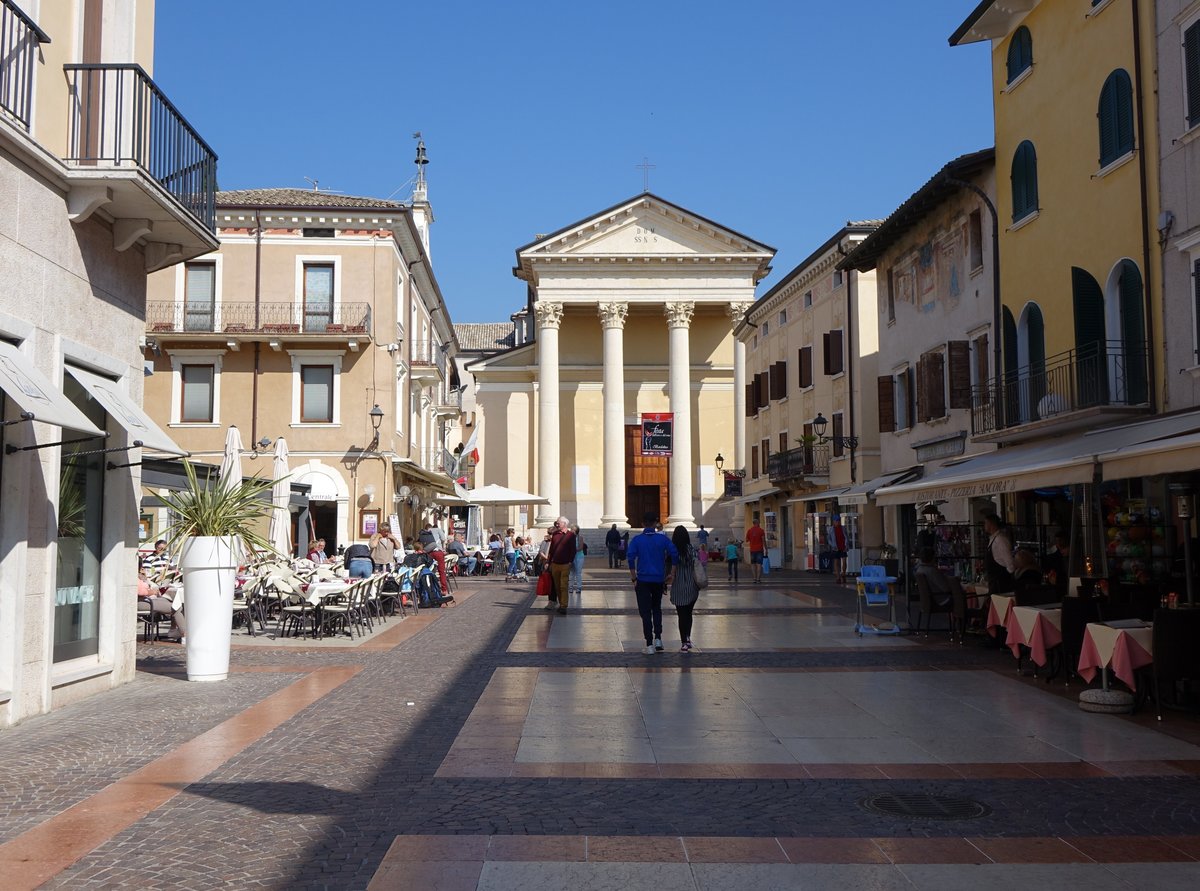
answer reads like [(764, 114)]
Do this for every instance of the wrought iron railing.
[(794, 464), (1103, 373), (118, 115), (20, 38), (429, 353), (343, 319)]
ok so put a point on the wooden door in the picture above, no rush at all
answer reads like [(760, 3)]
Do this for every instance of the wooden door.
[(644, 474)]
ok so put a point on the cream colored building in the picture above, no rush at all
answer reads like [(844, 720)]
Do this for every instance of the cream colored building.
[(632, 312), (89, 203), (319, 320), (813, 343)]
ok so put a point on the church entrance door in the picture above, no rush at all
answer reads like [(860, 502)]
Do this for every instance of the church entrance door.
[(646, 479)]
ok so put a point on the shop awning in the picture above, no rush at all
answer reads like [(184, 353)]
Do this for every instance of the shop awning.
[(29, 389), (127, 413), (1127, 450), (823, 495), (862, 493), (439, 482), (755, 496), (1173, 454)]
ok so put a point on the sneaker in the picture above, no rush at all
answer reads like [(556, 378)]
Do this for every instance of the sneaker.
[(562, 610), (687, 647), (658, 645), (551, 604), (649, 651)]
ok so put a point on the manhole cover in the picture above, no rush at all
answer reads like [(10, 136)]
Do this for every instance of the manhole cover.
[(925, 807)]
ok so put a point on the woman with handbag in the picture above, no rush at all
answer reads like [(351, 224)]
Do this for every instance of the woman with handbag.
[(685, 589)]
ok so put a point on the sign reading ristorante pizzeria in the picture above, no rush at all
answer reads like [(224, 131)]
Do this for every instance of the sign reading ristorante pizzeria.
[(657, 430)]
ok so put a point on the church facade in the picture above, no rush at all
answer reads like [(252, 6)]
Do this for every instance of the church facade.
[(633, 311)]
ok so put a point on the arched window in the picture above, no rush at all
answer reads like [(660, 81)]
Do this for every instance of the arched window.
[(1091, 344), (1116, 117), (1020, 53), (1024, 181), (1031, 359)]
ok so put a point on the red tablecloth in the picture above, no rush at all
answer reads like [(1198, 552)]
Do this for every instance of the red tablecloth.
[(1034, 627), (1125, 650)]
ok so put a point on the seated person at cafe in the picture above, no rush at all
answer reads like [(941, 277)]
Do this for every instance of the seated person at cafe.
[(467, 561), (941, 586), (427, 586), (160, 605), (158, 565), (1027, 575)]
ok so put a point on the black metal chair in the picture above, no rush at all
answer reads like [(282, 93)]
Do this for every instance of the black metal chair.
[(928, 607), (1176, 653)]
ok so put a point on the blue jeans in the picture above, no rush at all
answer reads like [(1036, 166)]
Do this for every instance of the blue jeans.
[(361, 568), (512, 562), (576, 583)]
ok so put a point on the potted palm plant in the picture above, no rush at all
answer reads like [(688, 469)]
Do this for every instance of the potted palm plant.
[(213, 528)]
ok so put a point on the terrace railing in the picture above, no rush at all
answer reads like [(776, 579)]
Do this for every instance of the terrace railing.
[(342, 320), (20, 38)]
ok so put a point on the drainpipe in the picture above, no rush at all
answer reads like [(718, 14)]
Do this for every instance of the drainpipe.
[(1142, 173), (850, 356), (257, 344), (407, 309)]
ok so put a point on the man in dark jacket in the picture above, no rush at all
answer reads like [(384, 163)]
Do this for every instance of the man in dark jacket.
[(612, 541), (562, 555)]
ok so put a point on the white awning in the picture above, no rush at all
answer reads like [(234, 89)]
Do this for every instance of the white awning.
[(29, 389), (861, 493), (756, 496), (439, 482), (127, 413), (823, 495), (1175, 454), (1068, 460)]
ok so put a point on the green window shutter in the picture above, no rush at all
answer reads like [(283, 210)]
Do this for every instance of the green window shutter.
[(1133, 334), (1116, 117), (1191, 56), (1024, 181), (1020, 53), (1196, 310)]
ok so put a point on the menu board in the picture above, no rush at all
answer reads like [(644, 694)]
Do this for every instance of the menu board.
[(657, 430)]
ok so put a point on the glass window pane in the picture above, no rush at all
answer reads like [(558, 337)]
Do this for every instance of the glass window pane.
[(80, 538), (201, 284), (197, 385), (318, 284), (316, 393)]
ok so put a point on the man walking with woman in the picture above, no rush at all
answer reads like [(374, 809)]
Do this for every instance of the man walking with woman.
[(685, 589), (651, 557)]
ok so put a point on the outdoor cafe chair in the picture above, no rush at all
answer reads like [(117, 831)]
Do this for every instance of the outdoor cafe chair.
[(296, 612)]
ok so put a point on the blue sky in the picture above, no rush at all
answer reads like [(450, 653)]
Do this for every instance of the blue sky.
[(781, 120)]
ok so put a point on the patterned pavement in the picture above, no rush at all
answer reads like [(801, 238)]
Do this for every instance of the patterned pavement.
[(493, 746)]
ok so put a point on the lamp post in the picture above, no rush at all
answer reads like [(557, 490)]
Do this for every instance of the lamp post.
[(846, 442)]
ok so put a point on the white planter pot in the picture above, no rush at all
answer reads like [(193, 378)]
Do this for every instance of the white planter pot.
[(209, 567)]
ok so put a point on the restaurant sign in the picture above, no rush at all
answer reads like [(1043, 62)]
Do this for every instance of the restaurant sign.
[(733, 486), (656, 433)]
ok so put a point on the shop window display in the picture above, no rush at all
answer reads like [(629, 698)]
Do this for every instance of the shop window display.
[(1140, 541)]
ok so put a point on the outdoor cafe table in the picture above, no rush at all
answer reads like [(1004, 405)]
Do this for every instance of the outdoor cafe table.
[(318, 591), (1125, 646), (1037, 627), (999, 606)]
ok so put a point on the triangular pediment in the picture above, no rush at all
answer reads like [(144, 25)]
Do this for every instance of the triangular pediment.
[(645, 225)]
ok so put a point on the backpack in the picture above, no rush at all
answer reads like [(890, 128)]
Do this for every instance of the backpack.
[(700, 571)]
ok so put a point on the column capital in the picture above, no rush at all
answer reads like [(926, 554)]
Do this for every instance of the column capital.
[(613, 315), (737, 312), (679, 315), (549, 315)]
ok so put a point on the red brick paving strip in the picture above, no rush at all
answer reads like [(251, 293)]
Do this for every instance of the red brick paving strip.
[(46, 850)]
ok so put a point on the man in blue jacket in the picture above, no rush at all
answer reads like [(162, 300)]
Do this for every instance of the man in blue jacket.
[(652, 559)]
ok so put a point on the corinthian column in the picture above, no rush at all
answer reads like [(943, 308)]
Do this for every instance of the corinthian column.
[(737, 315), (679, 391), (549, 317), (612, 319)]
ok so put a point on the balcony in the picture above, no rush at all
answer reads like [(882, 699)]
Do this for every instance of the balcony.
[(130, 152), (428, 360), (449, 404), (20, 42), (271, 322), (1098, 383), (804, 463)]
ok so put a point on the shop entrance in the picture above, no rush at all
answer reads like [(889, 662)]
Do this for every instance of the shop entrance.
[(646, 479), (323, 515)]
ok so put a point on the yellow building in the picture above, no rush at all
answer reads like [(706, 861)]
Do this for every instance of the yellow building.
[(633, 310), (318, 321), (1080, 283)]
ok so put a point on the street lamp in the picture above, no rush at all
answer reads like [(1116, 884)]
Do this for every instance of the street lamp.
[(720, 462), (376, 416), (820, 425)]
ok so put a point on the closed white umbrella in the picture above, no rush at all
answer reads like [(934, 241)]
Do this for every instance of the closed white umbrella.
[(281, 493), (231, 462)]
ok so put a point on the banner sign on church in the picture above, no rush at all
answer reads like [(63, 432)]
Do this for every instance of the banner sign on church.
[(656, 433)]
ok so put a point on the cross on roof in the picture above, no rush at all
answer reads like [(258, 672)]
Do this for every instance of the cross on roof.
[(645, 167)]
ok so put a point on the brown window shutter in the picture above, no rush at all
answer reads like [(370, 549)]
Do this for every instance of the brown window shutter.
[(779, 380), (806, 366), (922, 394), (828, 354), (773, 385), (837, 434), (959, 352), (766, 452), (838, 357), (808, 448), (937, 385), (783, 442), (912, 395), (753, 461), (887, 404), (751, 401), (764, 393)]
